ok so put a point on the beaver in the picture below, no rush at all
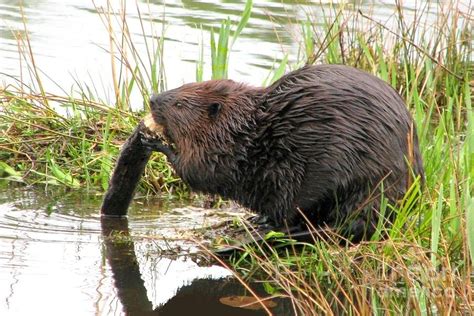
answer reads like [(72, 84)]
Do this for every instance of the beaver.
[(322, 143)]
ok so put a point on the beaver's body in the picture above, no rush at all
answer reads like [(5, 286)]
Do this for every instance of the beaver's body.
[(321, 139)]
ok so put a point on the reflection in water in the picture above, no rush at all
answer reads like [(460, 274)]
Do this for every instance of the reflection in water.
[(121, 256), (200, 297), (57, 258), (45, 258)]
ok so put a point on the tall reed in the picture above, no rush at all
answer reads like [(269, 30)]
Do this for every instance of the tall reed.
[(422, 263)]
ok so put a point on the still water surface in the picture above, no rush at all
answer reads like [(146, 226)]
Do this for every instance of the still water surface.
[(70, 42), (55, 257)]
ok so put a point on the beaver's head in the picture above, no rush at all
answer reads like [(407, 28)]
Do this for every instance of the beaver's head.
[(205, 115)]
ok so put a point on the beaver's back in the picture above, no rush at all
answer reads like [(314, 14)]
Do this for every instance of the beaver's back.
[(328, 136)]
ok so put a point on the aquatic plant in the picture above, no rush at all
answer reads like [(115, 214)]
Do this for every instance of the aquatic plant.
[(422, 263)]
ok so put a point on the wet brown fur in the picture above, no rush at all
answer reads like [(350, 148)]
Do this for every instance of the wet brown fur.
[(321, 139)]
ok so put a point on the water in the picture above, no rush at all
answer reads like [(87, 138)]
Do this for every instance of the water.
[(57, 258), (70, 42)]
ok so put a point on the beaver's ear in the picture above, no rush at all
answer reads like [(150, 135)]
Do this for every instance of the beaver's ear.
[(214, 109)]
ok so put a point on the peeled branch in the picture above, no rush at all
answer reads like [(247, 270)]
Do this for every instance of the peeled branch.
[(130, 166)]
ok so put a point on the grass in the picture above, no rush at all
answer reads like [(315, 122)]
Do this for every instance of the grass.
[(423, 266), (73, 140), (39, 146)]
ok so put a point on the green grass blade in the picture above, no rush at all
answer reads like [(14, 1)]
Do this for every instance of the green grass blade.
[(200, 62), (470, 225), (9, 173), (280, 71), (222, 50), (243, 21), (308, 39), (213, 54), (469, 130), (436, 226)]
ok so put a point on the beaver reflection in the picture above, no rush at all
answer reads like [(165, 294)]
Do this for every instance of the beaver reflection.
[(201, 297)]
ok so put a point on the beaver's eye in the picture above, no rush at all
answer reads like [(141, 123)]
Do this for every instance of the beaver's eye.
[(178, 104), (214, 109)]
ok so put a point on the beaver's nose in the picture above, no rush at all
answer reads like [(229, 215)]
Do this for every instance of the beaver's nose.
[(156, 100)]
